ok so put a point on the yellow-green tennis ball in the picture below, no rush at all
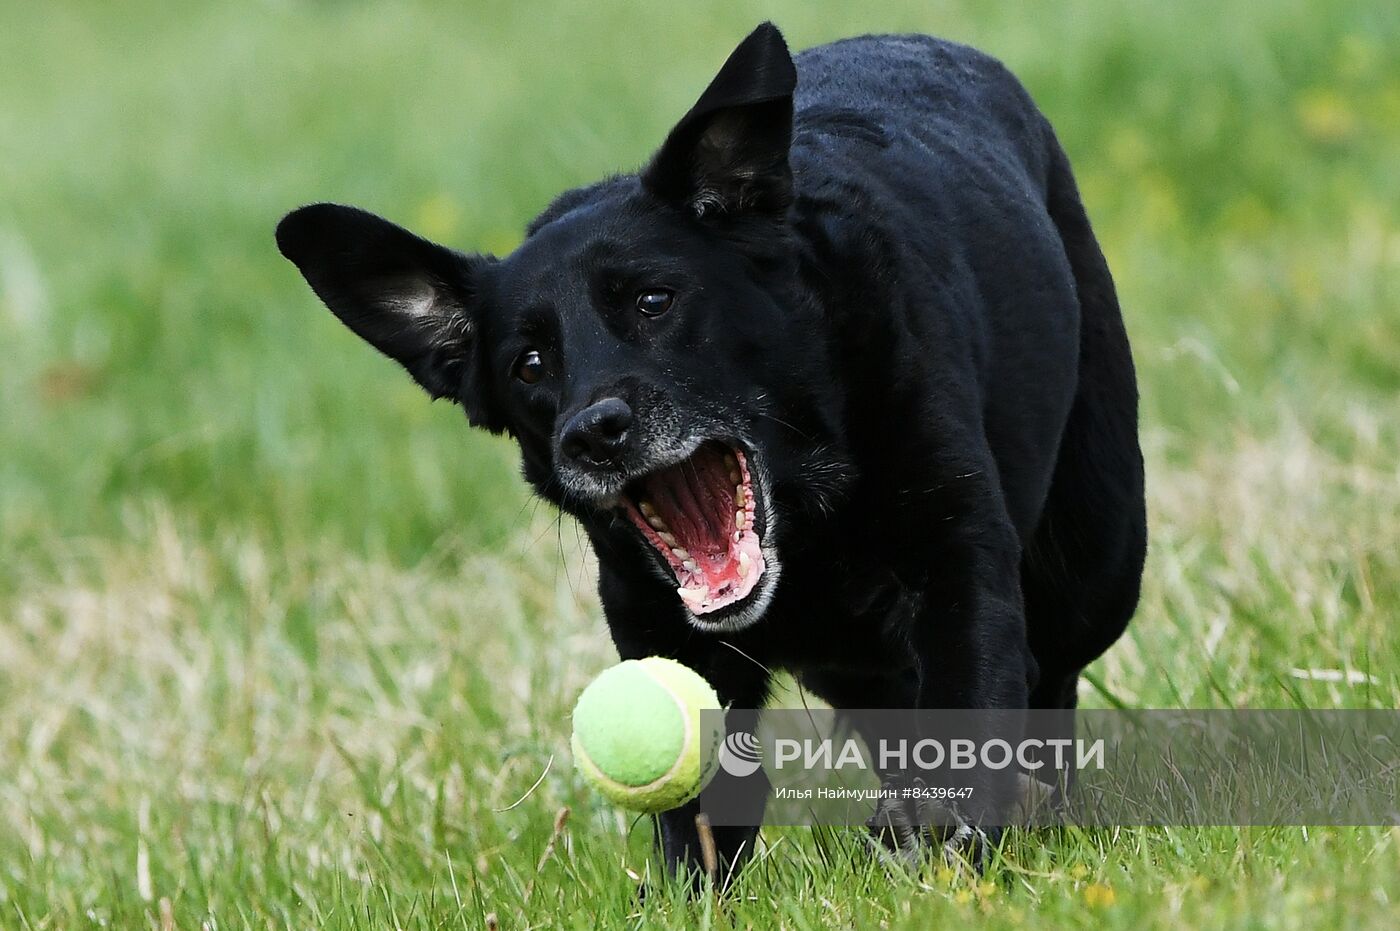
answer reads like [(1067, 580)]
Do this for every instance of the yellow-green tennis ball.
[(640, 738)]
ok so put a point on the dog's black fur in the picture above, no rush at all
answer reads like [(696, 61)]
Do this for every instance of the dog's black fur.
[(880, 284)]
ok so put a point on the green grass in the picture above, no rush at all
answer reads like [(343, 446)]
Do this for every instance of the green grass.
[(279, 640)]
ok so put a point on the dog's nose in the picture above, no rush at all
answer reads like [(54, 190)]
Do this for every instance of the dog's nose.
[(595, 435)]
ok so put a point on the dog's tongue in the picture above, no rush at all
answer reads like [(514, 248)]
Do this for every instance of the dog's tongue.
[(699, 514)]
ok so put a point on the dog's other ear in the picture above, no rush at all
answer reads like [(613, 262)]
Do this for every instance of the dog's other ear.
[(729, 154), (409, 298)]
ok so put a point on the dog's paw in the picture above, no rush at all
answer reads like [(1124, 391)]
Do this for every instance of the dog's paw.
[(895, 832), (966, 844), (907, 827)]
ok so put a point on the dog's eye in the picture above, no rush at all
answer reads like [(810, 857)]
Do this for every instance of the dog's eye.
[(529, 368), (655, 302)]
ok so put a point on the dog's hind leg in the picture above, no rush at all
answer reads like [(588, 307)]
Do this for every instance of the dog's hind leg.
[(1082, 568), (1081, 572)]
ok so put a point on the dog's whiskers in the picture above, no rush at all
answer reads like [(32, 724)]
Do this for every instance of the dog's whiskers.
[(781, 422)]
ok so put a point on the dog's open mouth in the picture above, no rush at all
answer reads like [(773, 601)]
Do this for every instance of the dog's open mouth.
[(703, 516)]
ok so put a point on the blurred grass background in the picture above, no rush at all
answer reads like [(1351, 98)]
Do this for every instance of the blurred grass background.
[(277, 636)]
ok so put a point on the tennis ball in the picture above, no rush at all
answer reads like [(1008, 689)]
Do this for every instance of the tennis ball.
[(639, 735)]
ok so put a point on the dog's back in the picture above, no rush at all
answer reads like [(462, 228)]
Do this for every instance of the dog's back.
[(928, 90), (937, 150)]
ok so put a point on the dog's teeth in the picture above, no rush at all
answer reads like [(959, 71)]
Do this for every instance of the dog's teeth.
[(657, 523), (734, 475), (691, 565), (693, 595), (647, 510), (739, 520), (667, 538), (738, 535), (679, 552), (744, 564), (739, 494)]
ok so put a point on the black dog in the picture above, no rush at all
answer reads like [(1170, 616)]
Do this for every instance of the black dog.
[(837, 383)]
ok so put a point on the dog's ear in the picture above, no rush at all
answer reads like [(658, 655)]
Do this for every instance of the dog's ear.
[(729, 154), (409, 298)]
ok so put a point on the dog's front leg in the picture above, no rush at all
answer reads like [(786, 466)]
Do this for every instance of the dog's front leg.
[(971, 652), (969, 826), (745, 798), (646, 622)]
